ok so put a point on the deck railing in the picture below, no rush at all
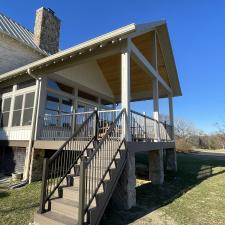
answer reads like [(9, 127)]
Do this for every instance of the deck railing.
[(61, 126), (142, 127), (145, 128)]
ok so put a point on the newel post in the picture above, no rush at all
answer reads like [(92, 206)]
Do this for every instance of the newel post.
[(81, 211)]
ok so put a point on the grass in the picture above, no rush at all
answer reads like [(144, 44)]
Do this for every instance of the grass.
[(195, 195), (17, 206)]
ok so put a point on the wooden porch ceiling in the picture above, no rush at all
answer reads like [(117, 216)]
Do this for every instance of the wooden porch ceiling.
[(141, 83)]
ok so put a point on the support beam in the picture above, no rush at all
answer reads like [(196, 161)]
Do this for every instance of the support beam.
[(139, 58), (154, 52)]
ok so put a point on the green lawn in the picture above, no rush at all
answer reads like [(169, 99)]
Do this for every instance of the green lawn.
[(194, 196), (17, 206)]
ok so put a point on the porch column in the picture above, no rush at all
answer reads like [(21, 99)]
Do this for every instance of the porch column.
[(170, 99), (171, 157), (125, 192), (156, 169), (156, 107)]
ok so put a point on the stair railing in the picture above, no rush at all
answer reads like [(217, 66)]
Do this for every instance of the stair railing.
[(94, 169), (60, 164)]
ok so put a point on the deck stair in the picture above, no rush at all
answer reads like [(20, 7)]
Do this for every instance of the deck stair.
[(77, 190)]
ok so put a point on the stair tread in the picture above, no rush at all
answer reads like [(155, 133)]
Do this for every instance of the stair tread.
[(67, 202), (57, 217)]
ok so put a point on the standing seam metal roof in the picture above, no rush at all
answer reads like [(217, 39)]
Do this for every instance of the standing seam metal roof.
[(15, 30)]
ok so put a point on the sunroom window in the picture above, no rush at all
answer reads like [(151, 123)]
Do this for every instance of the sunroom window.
[(23, 109), (28, 109), (5, 110), (17, 111)]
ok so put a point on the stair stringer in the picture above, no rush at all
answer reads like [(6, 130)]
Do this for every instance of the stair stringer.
[(103, 199)]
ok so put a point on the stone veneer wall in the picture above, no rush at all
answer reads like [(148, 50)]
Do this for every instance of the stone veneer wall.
[(37, 164)]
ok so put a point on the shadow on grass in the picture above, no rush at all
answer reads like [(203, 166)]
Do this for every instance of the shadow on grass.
[(3, 194), (192, 170)]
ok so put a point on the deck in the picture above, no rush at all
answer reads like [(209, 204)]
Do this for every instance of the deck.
[(146, 133)]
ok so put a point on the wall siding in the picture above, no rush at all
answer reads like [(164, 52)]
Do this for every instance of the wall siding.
[(14, 54)]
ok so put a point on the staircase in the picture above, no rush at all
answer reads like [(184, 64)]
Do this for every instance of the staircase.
[(79, 179)]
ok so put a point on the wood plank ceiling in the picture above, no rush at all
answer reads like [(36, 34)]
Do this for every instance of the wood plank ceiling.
[(141, 83)]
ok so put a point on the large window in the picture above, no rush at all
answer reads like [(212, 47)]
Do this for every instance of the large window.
[(17, 111), (23, 109), (53, 104), (28, 109), (6, 104)]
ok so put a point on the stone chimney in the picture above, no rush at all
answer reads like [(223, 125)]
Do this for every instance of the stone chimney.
[(47, 30)]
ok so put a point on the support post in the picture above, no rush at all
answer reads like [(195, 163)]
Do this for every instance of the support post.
[(156, 169), (171, 160), (170, 98), (125, 192), (156, 108)]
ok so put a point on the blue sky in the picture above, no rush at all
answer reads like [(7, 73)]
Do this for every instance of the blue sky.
[(197, 31)]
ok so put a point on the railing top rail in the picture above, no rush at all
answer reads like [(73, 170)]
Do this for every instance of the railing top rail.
[(66, 114), (109, 110), (74, 135), (141, 114), (105, 136)]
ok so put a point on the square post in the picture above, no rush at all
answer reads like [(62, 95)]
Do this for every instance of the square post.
[(125, 91), (170, 99), (125, 193), (156, 108)]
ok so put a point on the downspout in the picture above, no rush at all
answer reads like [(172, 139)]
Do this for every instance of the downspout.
[(33, 124)]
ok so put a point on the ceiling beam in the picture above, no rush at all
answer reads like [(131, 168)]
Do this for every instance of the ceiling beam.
[(139, 58)]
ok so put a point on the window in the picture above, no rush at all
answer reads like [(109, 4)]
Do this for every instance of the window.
[(53, 103), (25, 84), (17, 111), (59, 86), (66, 106), (87, 96), (28, 109), (5, 112), (23, 109)]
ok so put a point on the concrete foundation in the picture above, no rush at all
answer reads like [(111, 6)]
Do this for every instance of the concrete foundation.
[(124, 196), (156, 168), (171, 159)]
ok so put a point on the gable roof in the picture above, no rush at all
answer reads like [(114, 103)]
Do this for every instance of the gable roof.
[(18, 32), (128, 31)]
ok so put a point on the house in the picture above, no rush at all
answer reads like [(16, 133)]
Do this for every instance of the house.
[(18, 47), (73, 117)]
